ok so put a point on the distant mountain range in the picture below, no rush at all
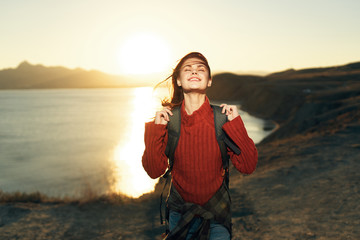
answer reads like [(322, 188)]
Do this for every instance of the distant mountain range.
[(28, 76)]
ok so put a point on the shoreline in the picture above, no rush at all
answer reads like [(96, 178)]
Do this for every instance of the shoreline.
[(305, 185)]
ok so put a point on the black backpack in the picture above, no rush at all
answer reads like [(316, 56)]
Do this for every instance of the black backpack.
[(223, 140)]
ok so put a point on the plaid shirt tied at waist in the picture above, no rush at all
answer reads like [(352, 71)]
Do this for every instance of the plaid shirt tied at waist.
[(217, 208)]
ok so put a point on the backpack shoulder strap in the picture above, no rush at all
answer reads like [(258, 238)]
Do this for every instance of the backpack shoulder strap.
[(223, 140), (173, 127), (220, 119)]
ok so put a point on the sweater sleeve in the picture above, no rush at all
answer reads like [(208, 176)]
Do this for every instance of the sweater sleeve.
[(154, 159), (246, 161)]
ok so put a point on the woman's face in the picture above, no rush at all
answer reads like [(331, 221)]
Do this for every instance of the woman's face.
[(194, 76)]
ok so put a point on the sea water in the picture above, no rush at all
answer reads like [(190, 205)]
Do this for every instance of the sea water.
[(73, 142)]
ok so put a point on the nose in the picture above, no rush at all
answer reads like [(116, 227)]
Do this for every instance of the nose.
[(194, 71)]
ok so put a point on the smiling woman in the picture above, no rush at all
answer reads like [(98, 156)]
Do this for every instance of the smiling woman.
[(144, 53)]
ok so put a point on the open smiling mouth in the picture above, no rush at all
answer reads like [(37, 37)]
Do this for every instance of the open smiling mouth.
[(194, 79)]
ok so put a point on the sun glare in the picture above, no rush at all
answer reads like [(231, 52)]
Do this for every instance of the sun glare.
[(131, 178), (144, 53)]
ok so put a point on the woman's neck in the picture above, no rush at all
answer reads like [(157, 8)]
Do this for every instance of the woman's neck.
[(193, 101)]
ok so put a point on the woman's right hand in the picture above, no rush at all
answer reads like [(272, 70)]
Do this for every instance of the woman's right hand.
[(162, 117)]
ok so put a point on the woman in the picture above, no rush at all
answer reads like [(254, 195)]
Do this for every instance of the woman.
[(197, 173)]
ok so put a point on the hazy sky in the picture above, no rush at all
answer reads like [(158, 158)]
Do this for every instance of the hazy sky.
[(235, 35)]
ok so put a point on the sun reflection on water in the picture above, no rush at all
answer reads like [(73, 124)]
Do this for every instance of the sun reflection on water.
[(130, 177)]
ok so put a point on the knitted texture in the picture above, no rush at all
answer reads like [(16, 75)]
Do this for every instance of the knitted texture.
[(197, 172)]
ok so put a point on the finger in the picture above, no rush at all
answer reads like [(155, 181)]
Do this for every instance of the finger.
[(168, 111), (235, 109), (162, 114), (159, 117), (165, 115), (223, 108)]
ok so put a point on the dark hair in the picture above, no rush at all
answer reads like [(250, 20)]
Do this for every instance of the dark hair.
[(177, 95)]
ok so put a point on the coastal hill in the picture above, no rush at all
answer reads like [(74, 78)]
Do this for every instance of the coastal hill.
[(306, 182), (300, 101), (306, 185), (28, 76)]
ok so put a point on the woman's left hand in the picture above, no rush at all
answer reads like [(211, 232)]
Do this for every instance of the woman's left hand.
[(230, 110)]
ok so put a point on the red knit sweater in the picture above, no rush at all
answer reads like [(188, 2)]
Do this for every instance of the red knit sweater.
[(197, 170)]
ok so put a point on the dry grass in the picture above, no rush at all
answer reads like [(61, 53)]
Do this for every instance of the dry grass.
[(37, 197)]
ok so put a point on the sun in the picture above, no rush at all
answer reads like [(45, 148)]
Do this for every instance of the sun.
[(144, 53)]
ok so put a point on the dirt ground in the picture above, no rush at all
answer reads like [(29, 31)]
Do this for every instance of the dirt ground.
[(306, 185)]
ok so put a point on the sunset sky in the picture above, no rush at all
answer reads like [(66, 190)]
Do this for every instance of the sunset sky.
[(141, 37)]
